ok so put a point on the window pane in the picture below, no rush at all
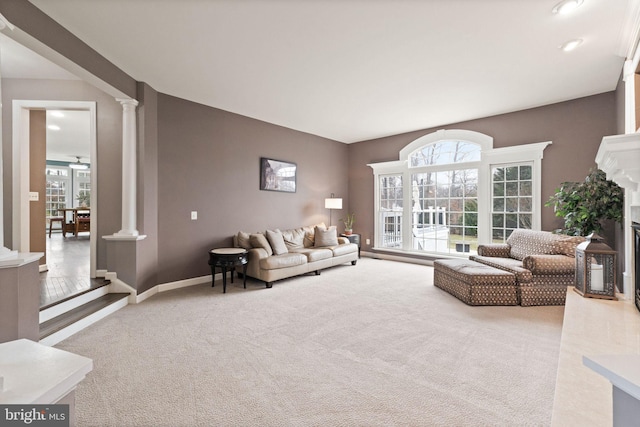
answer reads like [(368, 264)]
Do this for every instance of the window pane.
[(512, 173), (391, 201), (439, 219), (526, 204), (517, 188), (525, 188), (525, 221), (512, 188), (498, 174), (445, 152)]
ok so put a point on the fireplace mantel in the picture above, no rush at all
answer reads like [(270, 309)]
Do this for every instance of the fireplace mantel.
[(619, 157)]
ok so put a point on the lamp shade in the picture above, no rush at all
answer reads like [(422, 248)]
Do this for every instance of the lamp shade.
[(333, 203)]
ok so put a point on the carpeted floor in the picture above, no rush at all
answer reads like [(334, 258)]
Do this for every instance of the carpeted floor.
[(374, 344)]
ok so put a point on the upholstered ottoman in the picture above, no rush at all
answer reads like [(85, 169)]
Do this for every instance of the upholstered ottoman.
[(475, 283)]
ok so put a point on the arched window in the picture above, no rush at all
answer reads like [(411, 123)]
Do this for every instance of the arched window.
[(451, 190)]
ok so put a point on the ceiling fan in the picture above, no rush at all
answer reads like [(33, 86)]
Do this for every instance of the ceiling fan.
[(77, 164)]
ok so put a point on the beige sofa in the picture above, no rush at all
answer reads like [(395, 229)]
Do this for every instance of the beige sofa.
[(542, 262), (275, 255)]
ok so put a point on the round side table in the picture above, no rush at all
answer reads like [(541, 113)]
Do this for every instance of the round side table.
[(228, 258)]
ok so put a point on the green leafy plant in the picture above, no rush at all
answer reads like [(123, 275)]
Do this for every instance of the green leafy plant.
[(584, 205), (349, 221), (84, 198)]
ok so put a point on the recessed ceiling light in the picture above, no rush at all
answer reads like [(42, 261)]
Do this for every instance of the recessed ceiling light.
[(570, 45), (53, 127), (566, 6)]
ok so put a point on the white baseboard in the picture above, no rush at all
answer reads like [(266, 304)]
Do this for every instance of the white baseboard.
[(389, 257), (101, 273), (43, 267), (188, 282)]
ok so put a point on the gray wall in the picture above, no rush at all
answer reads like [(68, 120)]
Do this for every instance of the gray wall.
[(109, 148), (209, 161), (575, 127)]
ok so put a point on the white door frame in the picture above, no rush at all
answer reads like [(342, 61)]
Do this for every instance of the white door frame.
[(21, 153)]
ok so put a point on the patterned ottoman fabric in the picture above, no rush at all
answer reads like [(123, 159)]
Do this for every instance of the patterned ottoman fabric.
[(475, 283)]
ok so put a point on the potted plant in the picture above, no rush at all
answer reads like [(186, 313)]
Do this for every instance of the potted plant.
[(583, 205), (84, 198), (348, 223)]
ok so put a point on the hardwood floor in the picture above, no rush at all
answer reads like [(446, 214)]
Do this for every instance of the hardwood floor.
[(69, 272)]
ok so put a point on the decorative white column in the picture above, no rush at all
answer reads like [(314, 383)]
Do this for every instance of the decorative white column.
[(129, 182), (628, 75)]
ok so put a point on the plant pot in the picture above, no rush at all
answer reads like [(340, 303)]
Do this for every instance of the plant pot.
[(348, 232)]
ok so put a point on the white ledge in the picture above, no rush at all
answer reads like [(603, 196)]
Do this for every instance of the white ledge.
[(623, 370), (124, 237), (39, 374), (18, 259)]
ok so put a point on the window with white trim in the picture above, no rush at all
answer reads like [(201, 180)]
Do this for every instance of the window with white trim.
[(512, 199), (57, 190), (451, 190)]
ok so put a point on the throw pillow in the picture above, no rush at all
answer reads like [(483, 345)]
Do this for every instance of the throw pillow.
[(259, 241), (294, 238), (326, 237), (277, 242), (244, 240)]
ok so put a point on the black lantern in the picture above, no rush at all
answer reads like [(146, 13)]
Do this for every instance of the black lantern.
[(595, 269)]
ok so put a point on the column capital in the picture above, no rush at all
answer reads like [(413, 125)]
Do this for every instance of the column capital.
[(127, 102)]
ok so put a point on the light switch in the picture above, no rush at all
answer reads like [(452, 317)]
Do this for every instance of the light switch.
[(194, 215), (368, 241), (34, 196)]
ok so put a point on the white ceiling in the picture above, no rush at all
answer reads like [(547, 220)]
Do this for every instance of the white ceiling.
[(354, 70)]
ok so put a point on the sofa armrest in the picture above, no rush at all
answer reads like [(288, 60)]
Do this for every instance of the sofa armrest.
[(501, 250), (549, 264), (256, 254)]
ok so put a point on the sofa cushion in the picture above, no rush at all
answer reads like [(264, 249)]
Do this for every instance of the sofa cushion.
[(344, 249), (507, 264), (309, 234), (277, 242), (529, 242), (314, 254), (566, 245), (294, 239), (244, 240), (259, 241), (282, 261), (325, 237)]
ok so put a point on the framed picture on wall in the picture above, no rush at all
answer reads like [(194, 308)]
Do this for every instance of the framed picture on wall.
[(277, 175)]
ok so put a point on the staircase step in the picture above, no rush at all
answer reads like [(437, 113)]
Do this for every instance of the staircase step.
[(60, 327)]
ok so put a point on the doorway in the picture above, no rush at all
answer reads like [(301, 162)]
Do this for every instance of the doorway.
[(21, 155)]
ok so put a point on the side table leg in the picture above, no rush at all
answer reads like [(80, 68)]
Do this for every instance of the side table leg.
[(224, 279), (213, 275), (244, 275)]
